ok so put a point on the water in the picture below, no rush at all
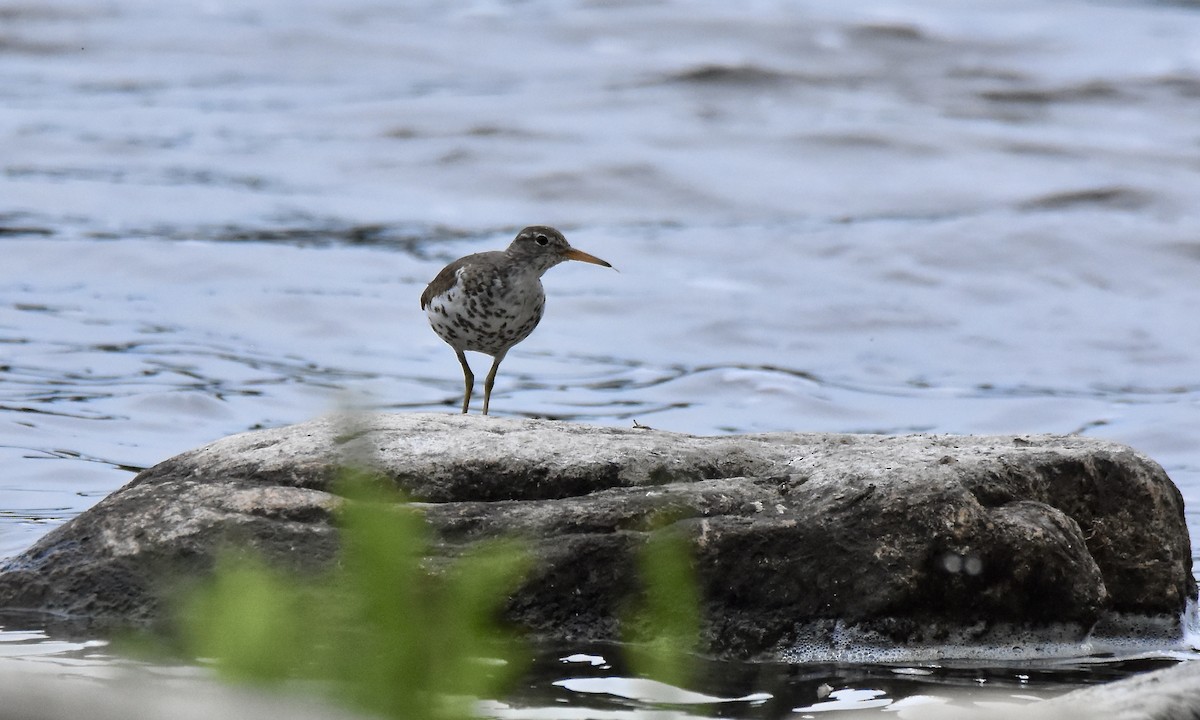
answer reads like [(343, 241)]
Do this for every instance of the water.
[(885, 217)]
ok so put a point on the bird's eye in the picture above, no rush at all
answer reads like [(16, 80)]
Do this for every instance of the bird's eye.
[(542, 240)]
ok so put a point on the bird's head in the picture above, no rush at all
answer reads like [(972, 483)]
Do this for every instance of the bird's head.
[(544, 247)]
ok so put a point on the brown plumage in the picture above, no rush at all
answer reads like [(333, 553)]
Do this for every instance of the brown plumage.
[(490, 301)]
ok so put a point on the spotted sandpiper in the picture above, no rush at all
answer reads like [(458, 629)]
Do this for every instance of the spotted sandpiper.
[(490, 301)]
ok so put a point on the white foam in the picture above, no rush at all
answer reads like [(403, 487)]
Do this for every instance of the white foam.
[(1116, 636), (1191, 626)]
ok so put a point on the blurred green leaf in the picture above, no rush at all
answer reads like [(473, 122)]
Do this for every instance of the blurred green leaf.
[(248, 620), (386, 634), (663, 628), (379, 630)]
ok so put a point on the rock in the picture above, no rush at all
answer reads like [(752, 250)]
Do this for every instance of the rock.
[(917, 538), (1169, 694)]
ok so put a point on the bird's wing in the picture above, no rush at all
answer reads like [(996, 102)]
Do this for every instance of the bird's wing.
[(443, 282), (448, 277)]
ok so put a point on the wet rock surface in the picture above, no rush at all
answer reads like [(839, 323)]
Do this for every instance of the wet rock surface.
[(1168, 694), (914, 538)]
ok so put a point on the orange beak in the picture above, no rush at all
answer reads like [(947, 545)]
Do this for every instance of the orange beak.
[(573, 254)]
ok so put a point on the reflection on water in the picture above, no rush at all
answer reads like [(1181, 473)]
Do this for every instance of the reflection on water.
[(593, 683), (596, 680)]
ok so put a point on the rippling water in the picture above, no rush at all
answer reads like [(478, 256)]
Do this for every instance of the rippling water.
[(886, 217)]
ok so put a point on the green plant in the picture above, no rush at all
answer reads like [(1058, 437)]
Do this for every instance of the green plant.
[(380, 631), (663, 627), (386, 634)]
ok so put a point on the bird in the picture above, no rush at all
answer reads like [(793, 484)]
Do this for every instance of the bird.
[(488, 302)]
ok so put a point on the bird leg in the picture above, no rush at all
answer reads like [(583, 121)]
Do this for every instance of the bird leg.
[(491, 378), (469, 381)]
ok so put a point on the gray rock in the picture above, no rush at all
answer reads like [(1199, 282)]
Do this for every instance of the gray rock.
[(1169, 694), (913, 538)]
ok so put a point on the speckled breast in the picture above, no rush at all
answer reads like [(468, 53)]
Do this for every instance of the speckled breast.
[(487, 312)]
